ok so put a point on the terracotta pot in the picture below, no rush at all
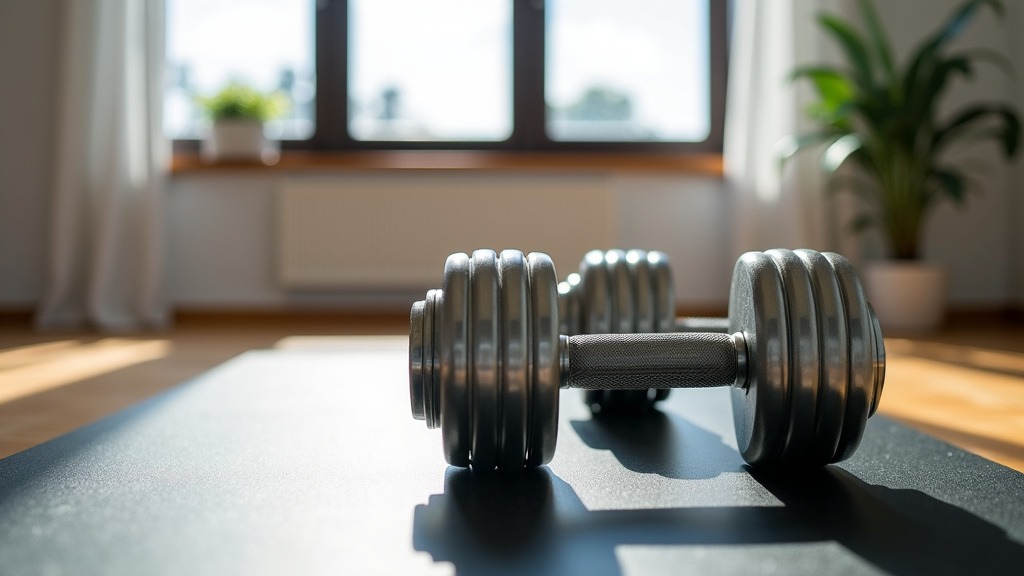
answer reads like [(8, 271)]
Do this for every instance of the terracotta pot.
[(908, 297), (239, 140)]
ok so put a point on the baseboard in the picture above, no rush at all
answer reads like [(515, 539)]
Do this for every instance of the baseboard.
[(16, 317)]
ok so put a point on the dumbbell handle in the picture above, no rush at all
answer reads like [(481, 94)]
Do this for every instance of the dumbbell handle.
[(641, 361)]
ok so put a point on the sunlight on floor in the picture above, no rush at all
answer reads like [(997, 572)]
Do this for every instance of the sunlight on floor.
[(925, 382), (970, 356), (36, 368)]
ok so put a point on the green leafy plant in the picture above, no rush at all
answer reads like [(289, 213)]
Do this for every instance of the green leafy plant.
[(237, 101), (885, 119)]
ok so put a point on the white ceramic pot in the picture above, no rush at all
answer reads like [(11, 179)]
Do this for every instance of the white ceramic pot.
[(238, 140), (908, 297)]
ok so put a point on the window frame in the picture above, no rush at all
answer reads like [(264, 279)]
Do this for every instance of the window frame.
[(529, 131)]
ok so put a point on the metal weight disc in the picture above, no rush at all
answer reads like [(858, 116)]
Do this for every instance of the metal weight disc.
[(543, 394), (623, 314), (804, 356), (860, 393), (486, 347), (515, 360), (423, 369), (664, 292), (431, 338), (757, 310), (644, 308), (454, 359), (432, 317), (879, 376), (596, 297), (417, 366), (832, 334)]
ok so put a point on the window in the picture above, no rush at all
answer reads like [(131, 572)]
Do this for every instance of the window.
[(627, 71), (459, 74), (431, 71), (211, 43)]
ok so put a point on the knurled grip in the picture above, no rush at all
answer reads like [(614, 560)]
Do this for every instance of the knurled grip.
[(642, 361)]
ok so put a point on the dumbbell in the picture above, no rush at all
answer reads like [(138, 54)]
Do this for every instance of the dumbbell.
[(803, 355), (622, 292)]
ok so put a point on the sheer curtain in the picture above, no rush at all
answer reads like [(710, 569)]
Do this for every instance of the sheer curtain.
[(106, 250), (774, 206)]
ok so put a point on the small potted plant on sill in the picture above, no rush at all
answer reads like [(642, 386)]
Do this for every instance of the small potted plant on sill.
[(238, 114), (884, 119)]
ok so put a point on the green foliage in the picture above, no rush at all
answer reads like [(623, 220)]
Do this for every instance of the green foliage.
[(885, 118), (237, 101)]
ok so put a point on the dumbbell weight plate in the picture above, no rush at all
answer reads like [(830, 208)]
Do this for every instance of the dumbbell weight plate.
[(543, 429), (623, 311), (804, 356), (879, 377), (644, 303), (757, 310), (515, 350), (861, 391), (596, 294), (424, 369), (454, 360), (834, 374), (499, 359), (663, 292), (485, 359), (418, 365)]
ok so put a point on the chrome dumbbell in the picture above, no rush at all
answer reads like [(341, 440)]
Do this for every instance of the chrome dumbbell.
[(625, 292), (803, 354)]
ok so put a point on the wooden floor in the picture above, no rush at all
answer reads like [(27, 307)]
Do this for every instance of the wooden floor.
[(964, 385)]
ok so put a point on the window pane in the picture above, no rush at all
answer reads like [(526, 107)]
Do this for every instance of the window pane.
[(266, 44), (430, 70), (628, 71)]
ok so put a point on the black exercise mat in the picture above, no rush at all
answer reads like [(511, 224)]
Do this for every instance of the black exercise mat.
[(309, 463)]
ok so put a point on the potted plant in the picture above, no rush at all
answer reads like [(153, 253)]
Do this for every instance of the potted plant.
[(884, 118), (238, 114)]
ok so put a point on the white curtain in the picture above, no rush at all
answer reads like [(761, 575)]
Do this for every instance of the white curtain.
[(774, 206), (106, 249)]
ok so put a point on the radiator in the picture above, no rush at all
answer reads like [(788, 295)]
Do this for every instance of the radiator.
[(395, 231)]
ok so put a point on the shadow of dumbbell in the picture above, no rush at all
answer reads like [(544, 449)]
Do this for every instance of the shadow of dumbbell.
[(661, 443), (534, 523)]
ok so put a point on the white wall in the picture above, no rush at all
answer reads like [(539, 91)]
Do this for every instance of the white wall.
[(220, 226), (222, 236)]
